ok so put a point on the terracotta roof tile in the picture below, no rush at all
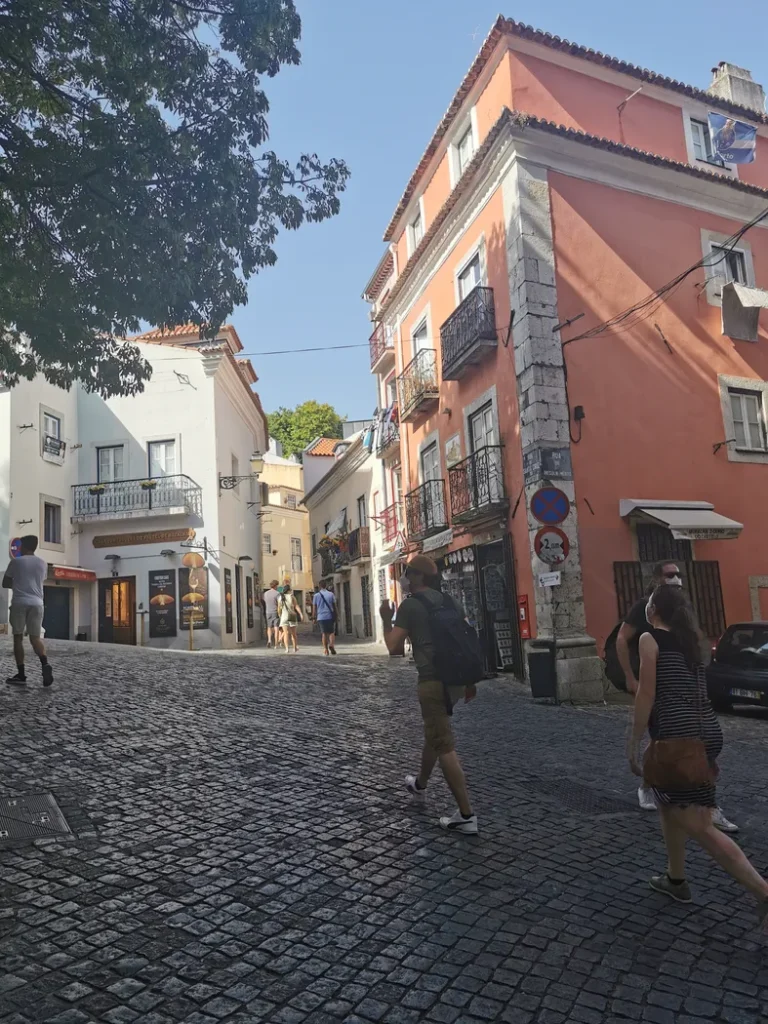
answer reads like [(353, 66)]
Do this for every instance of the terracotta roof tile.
[(515, 119), (380, 276), (323, 446), (508, 27)]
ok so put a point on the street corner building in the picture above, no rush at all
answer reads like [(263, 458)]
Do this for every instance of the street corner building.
[(570, 350), (147, 507)]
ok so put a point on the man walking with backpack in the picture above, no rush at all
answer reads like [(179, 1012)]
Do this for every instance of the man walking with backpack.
[(449, 663), (324, 608)]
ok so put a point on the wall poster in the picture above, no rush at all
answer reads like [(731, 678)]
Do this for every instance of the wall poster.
[(228, 600), (249, 599), (162, 603), (193, 587)]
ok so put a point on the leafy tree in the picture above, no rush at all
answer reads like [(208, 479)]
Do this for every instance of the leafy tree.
[(134, 181), (295, 428)]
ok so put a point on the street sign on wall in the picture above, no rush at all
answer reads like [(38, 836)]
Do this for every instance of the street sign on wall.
[(550, 505), (15, 547), (551, 545)]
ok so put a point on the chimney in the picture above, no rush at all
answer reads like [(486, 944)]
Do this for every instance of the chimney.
[(735, 84)]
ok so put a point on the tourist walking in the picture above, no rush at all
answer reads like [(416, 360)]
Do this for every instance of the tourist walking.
[(290, 616), (686, 740), (627, 651), (444, 647), (25, 576), (325, 614), (269, 600)]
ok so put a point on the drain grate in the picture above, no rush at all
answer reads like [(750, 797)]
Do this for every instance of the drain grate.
[(580, 798), (31, 816)]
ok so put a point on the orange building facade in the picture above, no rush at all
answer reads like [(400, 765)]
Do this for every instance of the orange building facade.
[(562, 191)]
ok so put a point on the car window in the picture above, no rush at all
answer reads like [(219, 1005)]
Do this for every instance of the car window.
[(744, 644)]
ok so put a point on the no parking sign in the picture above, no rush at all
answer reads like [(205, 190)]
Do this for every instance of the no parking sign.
[(15, 547)]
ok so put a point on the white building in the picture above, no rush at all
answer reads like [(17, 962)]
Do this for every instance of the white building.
[(348, 536), (133, 498)]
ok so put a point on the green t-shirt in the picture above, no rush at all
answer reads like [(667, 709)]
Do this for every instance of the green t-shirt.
[(413, 617)]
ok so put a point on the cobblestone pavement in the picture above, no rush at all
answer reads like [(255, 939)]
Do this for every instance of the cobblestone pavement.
[(244, 852)]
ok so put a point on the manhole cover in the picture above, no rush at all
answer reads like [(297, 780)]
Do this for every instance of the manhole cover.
[(31, 816), (582, 799)]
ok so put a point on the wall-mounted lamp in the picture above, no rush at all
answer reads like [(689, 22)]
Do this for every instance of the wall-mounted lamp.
[(228, 483), (167, 552)]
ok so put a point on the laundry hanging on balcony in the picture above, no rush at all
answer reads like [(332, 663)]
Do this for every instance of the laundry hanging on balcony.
[(734, 141)]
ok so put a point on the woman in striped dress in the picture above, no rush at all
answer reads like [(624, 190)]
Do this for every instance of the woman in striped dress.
[(672, 703)]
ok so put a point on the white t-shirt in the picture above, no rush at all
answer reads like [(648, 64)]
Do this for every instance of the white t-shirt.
[(27, 573)]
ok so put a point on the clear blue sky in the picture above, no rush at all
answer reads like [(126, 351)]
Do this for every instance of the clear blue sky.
[(375, 79)]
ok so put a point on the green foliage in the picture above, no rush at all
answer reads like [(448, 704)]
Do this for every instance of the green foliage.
[(134, 182), (295, 428)]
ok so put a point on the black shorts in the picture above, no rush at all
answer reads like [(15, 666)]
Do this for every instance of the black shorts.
[(327, 626)]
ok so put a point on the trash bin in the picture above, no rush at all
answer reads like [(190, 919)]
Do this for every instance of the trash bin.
[(542, 669)]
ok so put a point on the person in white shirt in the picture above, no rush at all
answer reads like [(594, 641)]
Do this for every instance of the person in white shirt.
[(25, 576)]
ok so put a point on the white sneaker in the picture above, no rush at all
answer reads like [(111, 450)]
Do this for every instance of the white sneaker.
[(645, 799), (458, 823), (720, 821), (413, 789)]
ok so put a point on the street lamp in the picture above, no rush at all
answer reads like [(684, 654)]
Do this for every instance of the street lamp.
[(228, 483)]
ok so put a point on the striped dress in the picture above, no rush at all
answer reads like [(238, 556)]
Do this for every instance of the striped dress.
[(682, 709)]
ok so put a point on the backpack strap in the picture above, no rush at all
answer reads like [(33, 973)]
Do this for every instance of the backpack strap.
[(427, 604)]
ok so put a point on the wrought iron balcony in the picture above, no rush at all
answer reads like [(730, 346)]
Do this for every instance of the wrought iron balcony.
[(468, 333), (388, 437), (477, 485), (359, 544), (390, 522), (135, 499), (334, 559), (417, 385), (382, 344), (425, 512)]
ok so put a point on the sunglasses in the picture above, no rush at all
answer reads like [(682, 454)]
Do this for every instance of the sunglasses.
[(671, 575)]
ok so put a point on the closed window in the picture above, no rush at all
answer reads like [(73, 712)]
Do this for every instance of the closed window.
[(295, 554), (162, 458), (109, 464), (290, 501), (51, 426), (430, 463), (482, 427), (266, 543), (419, 338), (729, 264), (748, 420), (470, 276), (51, 523), (465, 150), (416, 230)]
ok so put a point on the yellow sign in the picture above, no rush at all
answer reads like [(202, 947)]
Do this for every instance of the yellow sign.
[(122, 540)]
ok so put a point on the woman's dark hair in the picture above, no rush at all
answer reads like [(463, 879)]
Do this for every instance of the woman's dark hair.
[(675, 611)]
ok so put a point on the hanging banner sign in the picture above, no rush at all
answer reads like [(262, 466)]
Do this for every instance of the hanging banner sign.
[(734, 141), (193, 587), (162, 603)]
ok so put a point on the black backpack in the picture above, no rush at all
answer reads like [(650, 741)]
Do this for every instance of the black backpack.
[(457, 655), (614, 673)]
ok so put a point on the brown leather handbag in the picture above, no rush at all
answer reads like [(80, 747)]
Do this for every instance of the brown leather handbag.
[(680, 763)]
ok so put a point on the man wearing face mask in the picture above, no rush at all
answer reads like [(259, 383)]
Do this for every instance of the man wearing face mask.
[(627, 643)]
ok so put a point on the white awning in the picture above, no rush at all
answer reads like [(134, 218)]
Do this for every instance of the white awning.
[(437, 541), (741, 310), (692, 520), (392, 557)]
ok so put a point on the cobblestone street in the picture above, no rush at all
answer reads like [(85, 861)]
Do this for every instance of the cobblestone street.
[(243, 850)]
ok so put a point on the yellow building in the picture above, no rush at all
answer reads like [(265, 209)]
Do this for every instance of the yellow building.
[(285, 540)]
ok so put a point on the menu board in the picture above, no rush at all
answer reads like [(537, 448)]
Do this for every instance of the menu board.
[(249, 600), (228, 600), (193, 587), (162, 603)]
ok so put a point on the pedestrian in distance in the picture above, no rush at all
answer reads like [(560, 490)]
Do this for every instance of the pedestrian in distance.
[(627, 651), (290, 616), (672, 703), (449, 664), (325, 614), (25, 576), (269, 600)]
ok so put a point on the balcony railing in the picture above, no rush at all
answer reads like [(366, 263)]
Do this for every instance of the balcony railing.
[(417, 385), (388, 436), (381, 343), (425, 510), (359, 544), (334, 559), (468, 333), (477, 485), (390, 523), (129, 499)]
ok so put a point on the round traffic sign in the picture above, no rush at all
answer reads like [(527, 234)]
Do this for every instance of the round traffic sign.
[(550, 505), (15, 547), (551, 545)]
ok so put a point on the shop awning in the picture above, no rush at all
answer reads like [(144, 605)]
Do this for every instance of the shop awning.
[(741, 310), (392, 557), (437, 541), (70, 572), (688, 520)]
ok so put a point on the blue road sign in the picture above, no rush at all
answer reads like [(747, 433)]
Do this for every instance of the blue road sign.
[(16, 547), (550, 506)]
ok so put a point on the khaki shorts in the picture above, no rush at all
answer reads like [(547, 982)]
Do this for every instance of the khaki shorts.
[(438, 733), (27, 619)]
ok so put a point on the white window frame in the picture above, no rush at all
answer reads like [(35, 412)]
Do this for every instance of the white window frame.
[(715, 279), (49, 499), (700, 116), (412, 241), (174, 439), (361, 505), (290, 501), (47, 413), (477, 250), (728, 384), (466, 126), (266, 543), (426, 443), (425, 320), (294, 554), (753, 398), (109, 448)]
